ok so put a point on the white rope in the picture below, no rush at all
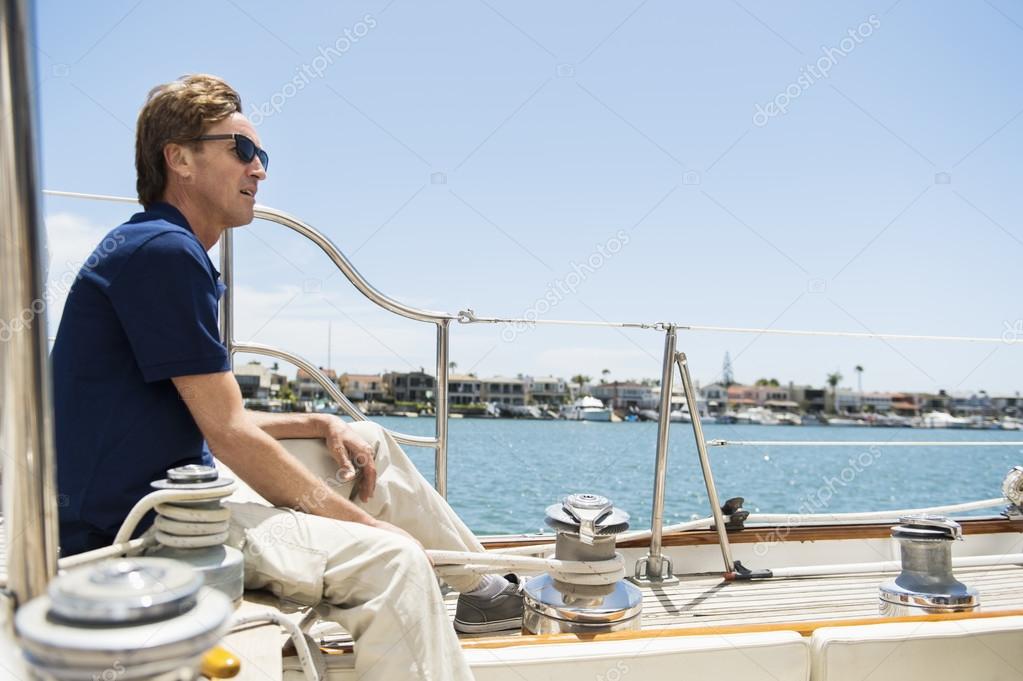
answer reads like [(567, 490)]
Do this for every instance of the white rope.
[(862, 443), (311, 663), (215, 530), (585, 573)]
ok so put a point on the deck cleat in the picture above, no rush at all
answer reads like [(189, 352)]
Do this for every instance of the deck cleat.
[(587, 526), (134, 618), (926, 584)]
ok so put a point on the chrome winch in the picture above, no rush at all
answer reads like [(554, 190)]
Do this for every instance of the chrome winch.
[(124, 619), (926, 584), (586, 525), (194, 531)]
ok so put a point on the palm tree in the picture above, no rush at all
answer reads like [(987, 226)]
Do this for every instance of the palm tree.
[(833, 380), (859, 378), (604, 373), (580, 380), (452, 366)]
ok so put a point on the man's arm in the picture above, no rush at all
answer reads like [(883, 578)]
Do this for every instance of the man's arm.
[(349, 451), (215, 403)]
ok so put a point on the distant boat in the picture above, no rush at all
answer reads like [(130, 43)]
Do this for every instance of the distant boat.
[(586, 409), (940, 419), (757, 416)]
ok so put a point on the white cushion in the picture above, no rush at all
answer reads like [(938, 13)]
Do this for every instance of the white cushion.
[(990, 649), (774, 656)]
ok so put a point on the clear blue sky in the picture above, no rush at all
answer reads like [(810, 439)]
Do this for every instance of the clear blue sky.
[(556, 126)]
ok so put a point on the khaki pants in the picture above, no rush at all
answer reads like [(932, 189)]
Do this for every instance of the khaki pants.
[(379, 586)]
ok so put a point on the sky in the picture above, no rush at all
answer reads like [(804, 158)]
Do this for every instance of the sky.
[(841, 166)]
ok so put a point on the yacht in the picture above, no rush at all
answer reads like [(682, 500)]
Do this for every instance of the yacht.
[(823, 596), (586, 409)]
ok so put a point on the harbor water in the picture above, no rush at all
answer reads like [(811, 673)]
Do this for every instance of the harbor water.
[(502, 473)]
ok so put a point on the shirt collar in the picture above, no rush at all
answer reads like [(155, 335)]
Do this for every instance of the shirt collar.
[(164, 211)]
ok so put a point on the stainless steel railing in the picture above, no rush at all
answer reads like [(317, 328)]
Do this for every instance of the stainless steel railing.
[(26, 419), (442, 321)]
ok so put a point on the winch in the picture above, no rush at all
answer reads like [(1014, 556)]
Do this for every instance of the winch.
[(194, 531), (926, 584), (586, 525), (125, 619)]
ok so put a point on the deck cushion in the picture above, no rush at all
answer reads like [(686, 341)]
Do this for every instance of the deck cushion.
[(989, 649)]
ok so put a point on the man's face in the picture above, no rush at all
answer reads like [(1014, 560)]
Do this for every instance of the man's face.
[(224, 187)]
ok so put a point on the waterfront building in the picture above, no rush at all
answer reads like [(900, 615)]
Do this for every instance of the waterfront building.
[(547, 390), (626, 395), (363, 387), (410, 386), (502, 390), (308, 389), (906, 404), (464, 389), (254, 380), (716, 397), (1004, 405), (810, 399)]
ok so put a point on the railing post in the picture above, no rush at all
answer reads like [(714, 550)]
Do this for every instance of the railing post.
[(440, 458), (655, 568), (227, 301), (26, 420), (708, 476)]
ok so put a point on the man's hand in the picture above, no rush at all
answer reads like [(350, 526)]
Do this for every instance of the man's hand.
[(353, 456)]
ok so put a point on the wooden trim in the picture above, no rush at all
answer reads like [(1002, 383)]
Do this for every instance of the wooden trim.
[(774, 534), (802, 628)]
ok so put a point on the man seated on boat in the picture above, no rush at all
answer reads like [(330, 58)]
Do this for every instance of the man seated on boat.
[(143, 384)]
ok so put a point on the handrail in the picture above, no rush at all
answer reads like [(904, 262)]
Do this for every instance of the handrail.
[(348, 269), (331, 388)]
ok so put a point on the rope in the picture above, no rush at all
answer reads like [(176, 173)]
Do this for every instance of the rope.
[(188, 518), (583, 573)]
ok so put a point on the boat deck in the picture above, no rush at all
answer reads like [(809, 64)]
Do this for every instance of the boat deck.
[(707, 601)]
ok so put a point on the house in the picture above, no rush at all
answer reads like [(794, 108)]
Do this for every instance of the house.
[(464, 389), (906, 404), (547, 390), (741, 397), (254, 380), (716, 397), (502, 390), (363, 387), (811, 400), (1008, 406), (412, 386), (626, 395), (308, 388)]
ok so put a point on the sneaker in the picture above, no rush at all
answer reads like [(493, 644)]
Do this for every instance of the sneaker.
[(475, 615)]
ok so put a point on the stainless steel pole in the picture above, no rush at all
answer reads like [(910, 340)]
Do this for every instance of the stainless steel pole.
[(26, 419), (708, 476), (227, 302), (652, 568), (440, 457)]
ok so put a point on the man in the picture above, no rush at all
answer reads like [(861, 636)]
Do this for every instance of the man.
[(144, 384)]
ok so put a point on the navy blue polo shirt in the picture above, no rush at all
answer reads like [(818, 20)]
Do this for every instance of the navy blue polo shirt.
[(142, 310)]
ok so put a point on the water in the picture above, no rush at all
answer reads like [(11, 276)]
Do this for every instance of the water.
[(502, 474)]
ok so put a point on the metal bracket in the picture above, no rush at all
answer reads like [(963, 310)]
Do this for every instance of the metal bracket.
[(644, 577), (1013, 512)]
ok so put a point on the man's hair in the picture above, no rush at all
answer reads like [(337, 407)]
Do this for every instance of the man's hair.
[(176, 112)]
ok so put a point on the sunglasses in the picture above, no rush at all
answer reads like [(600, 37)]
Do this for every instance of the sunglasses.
[(244, 148)]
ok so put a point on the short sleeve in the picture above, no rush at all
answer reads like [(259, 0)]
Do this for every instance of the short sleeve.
[(166, 299)]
